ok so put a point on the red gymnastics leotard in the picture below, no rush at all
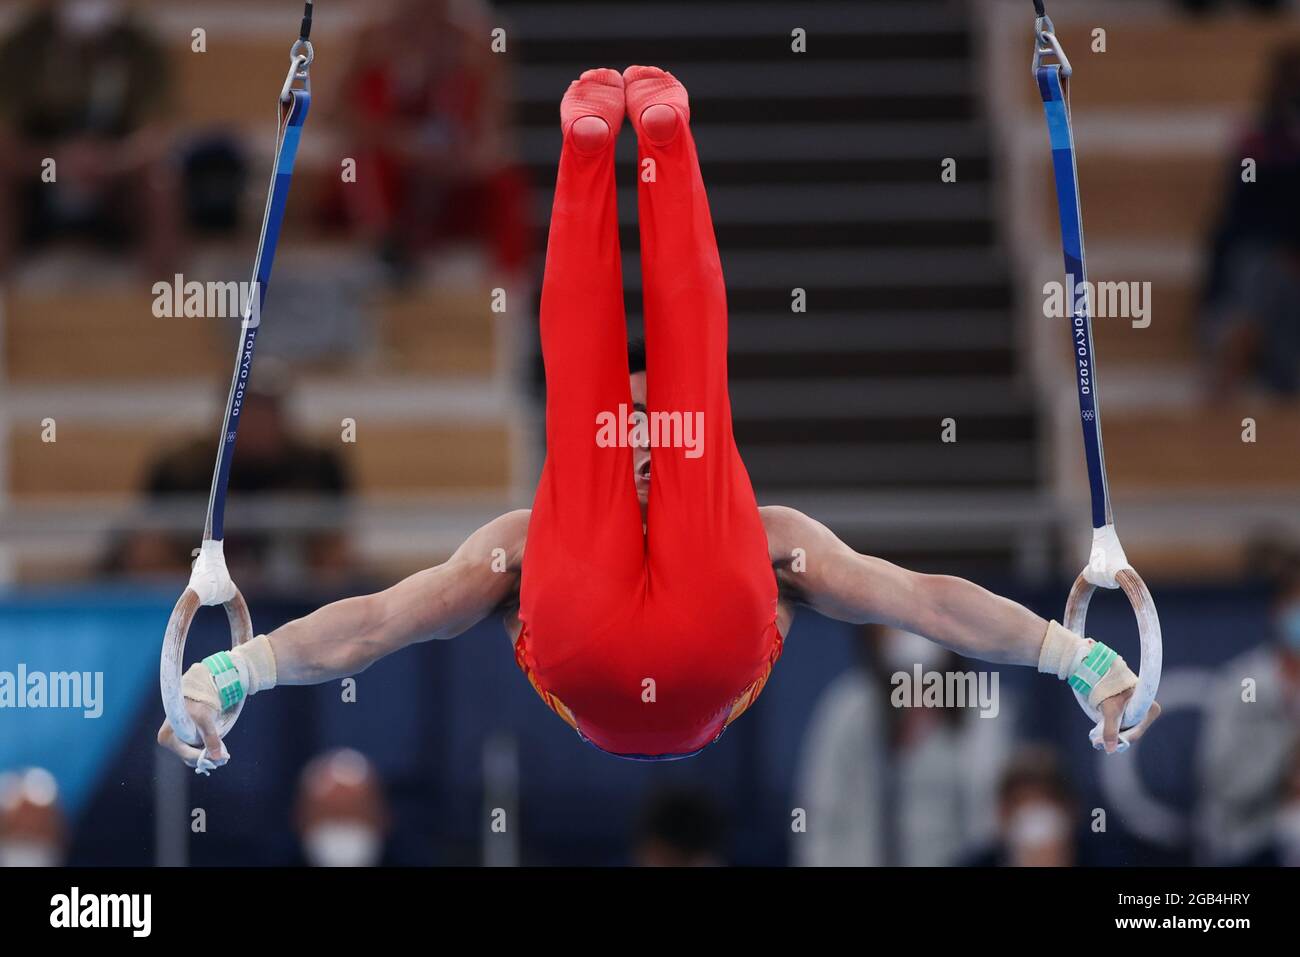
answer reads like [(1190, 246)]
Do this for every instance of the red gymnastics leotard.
[(648, 641)]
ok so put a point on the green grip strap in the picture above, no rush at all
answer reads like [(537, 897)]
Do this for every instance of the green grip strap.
[(226, 677), (1094, 666)]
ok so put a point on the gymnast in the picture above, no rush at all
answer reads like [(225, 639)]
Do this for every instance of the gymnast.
[(648, 608)]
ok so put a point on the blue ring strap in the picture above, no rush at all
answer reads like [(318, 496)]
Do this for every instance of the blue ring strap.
[(1054, 89), (292, 116)]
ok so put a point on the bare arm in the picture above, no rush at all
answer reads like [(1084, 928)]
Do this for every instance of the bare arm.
[(349, 636), (820, 571)]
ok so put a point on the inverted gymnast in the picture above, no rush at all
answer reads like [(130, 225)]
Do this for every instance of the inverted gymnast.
[(647, 611)]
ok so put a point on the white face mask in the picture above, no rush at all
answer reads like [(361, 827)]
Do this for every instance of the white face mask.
[(342, 844), (87, 18), (1036, 825), (27, 853)]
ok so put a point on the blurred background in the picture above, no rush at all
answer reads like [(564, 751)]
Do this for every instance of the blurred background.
[(399, 405)]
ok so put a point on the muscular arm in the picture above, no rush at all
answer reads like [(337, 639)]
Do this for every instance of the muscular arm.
[(820, 571), (349, 636)]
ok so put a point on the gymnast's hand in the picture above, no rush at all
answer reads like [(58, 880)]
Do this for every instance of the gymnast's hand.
[(203, 713), (1112, 710)]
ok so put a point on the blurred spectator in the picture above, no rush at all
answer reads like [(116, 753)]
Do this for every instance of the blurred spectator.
[(342, 817), (680, 829), (32, 829), (1251, 314), (1283, 847), (216, 174), (1239, 782), (1037, 817), (85, 85), (886, 785), (270, 464), (424, 114)]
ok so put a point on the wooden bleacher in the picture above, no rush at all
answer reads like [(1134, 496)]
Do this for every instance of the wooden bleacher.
[(109, 462), (1169, 342), (103, 335), (1201, 448), (1156, 60), (440, 332)]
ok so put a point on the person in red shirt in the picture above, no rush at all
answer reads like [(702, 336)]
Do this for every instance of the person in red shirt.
[(649, 606), (423, 108)]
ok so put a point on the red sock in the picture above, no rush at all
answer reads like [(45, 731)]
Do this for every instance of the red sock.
[(655, 101), (593, 109)]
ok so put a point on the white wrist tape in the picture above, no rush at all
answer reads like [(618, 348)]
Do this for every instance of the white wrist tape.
[(1062, 651), (254, 663)]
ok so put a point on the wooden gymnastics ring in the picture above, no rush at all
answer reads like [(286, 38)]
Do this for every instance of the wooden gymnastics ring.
[(1144, 608), (171, 667)]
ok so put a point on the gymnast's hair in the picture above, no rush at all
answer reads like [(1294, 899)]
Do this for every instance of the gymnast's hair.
[(635, 355)]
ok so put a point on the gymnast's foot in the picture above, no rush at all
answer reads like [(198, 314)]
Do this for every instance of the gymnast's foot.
[(657, 103), (592, 109)]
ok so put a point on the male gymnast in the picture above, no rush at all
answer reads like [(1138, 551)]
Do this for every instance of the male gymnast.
[(647, 610)]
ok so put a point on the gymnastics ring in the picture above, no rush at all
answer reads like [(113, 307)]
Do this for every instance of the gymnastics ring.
[(1107, 566), (1144, 608), (171, 667), (210, 582)]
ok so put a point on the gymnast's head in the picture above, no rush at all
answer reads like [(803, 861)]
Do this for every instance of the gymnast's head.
[(641, 447)]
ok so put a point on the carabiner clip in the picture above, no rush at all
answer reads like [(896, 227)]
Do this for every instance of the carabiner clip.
[(1046, 44), (300, 59)]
